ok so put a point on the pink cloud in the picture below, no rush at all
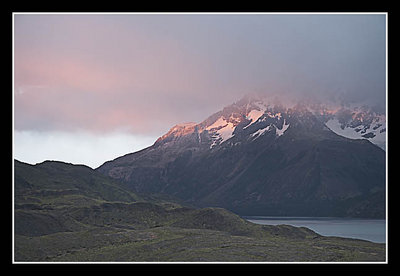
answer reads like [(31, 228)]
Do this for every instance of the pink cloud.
[(64, 72), (65, 93), (89, 73), (73, 91)]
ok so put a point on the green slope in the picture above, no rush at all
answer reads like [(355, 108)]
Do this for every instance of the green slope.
[(66, 212), (52, 179)]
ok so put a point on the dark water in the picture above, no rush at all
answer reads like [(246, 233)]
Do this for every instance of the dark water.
[(367, 229)]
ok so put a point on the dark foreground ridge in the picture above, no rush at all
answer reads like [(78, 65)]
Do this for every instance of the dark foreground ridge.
[(65, 212)]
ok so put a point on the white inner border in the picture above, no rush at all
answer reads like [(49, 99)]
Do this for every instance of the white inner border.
[(198, 13)]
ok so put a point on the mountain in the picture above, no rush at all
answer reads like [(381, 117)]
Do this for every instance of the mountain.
[(354, 122), (70, 213), (260, 157)]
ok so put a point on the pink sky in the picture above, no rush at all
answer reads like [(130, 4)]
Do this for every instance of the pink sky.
[(142, 74), (127, 83)]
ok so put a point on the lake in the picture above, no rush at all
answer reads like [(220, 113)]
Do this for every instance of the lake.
[(367, 229)]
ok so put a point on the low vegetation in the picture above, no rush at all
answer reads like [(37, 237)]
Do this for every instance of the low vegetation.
[(64, 219)]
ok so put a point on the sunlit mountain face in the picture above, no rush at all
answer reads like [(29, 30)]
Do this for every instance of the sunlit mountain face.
[(265, 157), (256, 116)]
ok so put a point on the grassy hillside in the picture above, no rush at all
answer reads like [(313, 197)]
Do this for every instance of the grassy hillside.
[(52, 180), (65, 212)]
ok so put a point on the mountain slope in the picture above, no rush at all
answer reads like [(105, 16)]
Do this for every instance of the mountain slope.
[(254, 157), (45, 194), (52, 178)]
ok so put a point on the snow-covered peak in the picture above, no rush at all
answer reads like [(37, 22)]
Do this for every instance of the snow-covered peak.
[(182, 129), (256, 116), (179, 130), (253, 116)]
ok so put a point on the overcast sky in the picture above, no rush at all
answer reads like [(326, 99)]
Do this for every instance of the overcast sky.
[(91, 87)]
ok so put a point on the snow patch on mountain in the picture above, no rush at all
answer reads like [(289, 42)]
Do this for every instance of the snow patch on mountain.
[(226, 132), (335, 126), (253, 116), (375, 132), (223, 130), (274, 115), (260, 132), (281, 131), (221, 122)]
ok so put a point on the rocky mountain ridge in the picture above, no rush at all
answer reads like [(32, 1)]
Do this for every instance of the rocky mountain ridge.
[(255, 157), (351, 121)]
